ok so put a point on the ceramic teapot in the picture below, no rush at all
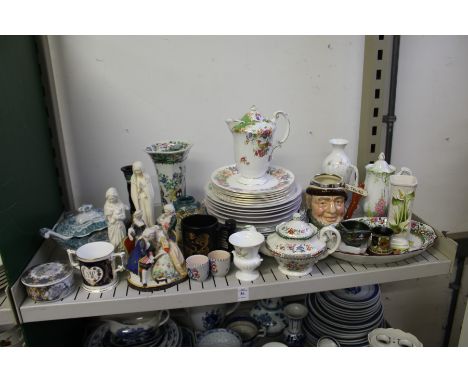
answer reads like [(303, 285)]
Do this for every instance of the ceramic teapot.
[(297, 245), (254, 142), (377, 184)]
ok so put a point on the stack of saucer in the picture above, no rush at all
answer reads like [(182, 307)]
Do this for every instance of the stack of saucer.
[(347, 315), (264, 202)]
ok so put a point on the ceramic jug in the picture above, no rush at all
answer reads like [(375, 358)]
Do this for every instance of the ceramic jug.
[(254, 143), (377, 184)]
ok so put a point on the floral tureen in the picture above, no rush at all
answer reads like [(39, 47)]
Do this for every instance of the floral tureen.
[(298, 245)]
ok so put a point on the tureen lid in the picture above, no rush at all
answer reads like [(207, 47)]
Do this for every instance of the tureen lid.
[(381, 165), (296, 229), (82, 222), (43, 275)]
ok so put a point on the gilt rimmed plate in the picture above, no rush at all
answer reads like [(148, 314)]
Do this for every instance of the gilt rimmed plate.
[(228, 178), (261, 202), (421, 237)]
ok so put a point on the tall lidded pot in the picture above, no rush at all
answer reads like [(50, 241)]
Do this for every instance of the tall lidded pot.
[(377, 184), (254, 142)]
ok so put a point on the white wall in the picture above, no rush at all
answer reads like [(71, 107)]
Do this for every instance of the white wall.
[(431, 132), (120, 94)]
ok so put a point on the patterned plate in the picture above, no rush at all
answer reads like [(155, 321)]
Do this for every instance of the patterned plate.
[(422, 237), (277, 179), (259, 203)]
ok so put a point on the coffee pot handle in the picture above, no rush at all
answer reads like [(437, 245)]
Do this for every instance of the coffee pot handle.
[(71, 254), (288, 128)]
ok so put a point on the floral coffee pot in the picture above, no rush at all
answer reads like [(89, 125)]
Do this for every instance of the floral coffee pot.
[(377, 184), (254, 143)]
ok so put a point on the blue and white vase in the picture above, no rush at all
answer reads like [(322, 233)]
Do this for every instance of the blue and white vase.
[(293, 334)]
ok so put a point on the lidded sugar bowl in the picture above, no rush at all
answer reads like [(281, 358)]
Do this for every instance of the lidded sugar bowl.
[(297, 245)]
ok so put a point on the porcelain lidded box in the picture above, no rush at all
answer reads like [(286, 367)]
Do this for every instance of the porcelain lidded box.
[(49, 282), (76, 228), (297, 245)]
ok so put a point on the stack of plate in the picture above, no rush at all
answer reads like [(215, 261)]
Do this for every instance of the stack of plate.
[(347, 315), (168, 335), (263, 203)]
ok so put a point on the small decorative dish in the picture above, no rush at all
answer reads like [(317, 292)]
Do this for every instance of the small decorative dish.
[(49, 282), (421, 237)]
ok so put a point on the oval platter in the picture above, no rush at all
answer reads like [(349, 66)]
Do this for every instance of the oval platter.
[(422, 237)]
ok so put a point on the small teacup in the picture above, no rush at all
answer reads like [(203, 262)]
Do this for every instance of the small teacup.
[(380, 241), (198, 267), (399, 244), (220, 262)]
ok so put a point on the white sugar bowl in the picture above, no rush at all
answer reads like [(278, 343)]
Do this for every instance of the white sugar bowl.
[(297, 245)]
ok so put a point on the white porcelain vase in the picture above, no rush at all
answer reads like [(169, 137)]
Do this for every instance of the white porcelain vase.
[(246, 258), (338, 163)]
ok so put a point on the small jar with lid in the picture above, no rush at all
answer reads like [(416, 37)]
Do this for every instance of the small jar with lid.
[(49, 282)]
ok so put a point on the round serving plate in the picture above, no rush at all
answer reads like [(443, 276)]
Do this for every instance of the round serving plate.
[(340, 334), (340, 304), (421, 237), (339, 322), (261, 202), (266, 219), (253, 209), (228, 178), (360, 294), (272, 195), (347, 314)]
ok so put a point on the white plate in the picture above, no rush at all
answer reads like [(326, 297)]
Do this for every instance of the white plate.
[(347, 314), (261, 203), (228, 178), (357, 294), (273, 218)]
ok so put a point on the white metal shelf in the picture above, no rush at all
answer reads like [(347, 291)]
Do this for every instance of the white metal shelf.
[(7, 316), (328, 274)]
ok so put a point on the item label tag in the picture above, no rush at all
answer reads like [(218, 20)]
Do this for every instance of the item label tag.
[(242, 294)]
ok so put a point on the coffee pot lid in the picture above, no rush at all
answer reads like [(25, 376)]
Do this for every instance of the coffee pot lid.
[(381, 166), (296, 229)]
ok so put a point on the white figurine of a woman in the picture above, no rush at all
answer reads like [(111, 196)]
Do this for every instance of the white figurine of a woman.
[(142, 193), (114, 211)]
